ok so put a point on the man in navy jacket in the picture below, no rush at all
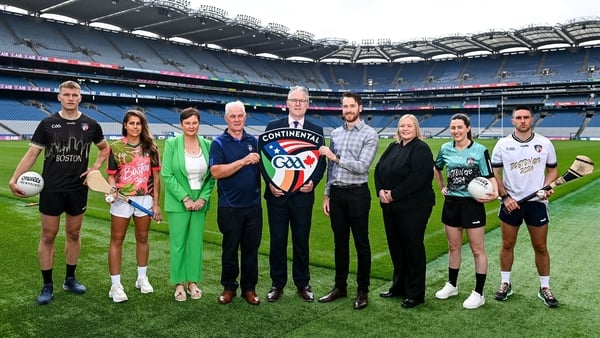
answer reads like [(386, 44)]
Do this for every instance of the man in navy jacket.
[(292, 211)]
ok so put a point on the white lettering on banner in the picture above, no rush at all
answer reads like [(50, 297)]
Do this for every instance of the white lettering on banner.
[(300, 133)]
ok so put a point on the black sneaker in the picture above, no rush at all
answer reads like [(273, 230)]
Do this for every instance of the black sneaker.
[(546, 296), (504, 291), (71, 284), (46, 294)]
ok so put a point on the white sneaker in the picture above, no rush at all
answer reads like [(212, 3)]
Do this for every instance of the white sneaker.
[(117, 293), (447, 291), (144, 285), (474, 301)]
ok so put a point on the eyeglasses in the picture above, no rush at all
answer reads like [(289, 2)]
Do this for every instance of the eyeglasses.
[(294, 101)]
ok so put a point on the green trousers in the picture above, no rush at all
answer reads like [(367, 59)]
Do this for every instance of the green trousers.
[(186, 235)]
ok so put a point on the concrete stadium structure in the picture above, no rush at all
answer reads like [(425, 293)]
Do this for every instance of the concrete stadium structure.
[(553, 69)]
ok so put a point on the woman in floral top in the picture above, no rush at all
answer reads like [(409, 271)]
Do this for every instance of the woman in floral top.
[(134, 169)]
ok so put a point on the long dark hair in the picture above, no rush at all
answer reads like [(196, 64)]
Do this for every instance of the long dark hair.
[(466, 120), (146, 139)]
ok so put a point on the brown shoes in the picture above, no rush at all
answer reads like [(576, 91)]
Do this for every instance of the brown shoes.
[(226, 296), (361, 301), (333, 295), (274, 294), (251, 297), (306, 294)]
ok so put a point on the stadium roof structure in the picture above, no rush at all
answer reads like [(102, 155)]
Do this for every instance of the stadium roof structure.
[(209, 25)]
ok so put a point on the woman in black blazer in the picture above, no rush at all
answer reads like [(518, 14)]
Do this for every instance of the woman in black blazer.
[(403, 182)]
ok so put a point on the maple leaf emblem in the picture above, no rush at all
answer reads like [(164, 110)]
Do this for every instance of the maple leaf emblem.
[(309, 160)]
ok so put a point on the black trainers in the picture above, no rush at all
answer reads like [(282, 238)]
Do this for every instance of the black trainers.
[(46, 294), (71, 284), (546, 296), (504, 291)]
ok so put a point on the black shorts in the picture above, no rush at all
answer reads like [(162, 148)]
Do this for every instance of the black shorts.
[(533, 213), (463, 212), (55, 203)]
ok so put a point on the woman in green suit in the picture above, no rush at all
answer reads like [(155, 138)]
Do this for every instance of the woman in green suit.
[(188, 186)]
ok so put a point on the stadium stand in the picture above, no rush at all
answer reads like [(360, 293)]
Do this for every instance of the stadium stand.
[(120, 71)]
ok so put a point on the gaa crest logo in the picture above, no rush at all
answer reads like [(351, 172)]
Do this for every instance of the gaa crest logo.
[(289, 156)]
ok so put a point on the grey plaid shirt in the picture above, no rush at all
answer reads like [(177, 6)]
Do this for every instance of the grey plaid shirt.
[(356, 149)]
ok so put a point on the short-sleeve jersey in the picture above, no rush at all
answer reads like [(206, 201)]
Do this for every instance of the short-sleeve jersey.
[(523, 163), (242, 189), (463, 165), (66, 145), (132, 168)]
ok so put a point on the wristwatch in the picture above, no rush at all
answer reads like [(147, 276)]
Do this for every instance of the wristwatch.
[(504, 196)]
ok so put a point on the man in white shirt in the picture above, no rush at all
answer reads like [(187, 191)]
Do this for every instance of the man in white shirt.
[(523, 162)]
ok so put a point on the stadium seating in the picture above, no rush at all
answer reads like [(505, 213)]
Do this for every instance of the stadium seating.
[(34, 37)]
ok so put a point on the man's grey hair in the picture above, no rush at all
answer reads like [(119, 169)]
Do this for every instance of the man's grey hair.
[(232, 104), (298, 88)]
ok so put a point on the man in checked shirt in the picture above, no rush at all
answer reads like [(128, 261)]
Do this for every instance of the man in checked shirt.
[(347, 197)]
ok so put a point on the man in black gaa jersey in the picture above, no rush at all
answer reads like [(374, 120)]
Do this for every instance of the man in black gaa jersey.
[(65, 138)]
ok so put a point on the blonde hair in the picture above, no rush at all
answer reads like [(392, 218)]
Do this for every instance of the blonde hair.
[(69, 84), (415, 122)]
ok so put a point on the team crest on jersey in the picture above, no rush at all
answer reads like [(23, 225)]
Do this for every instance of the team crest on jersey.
[(85, 126), (470, 161), (538, 148), (289, 156)]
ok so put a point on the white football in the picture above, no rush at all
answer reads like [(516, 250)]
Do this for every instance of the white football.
[(31, 183), (479, 187)]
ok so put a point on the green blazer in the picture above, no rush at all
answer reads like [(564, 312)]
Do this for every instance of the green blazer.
[(174, 175)]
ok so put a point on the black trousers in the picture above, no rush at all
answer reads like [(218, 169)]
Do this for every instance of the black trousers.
[(349, 211), (405, 232), (281, 219), (242, 230)]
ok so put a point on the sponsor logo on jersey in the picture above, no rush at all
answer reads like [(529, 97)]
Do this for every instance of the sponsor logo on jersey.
[(289, 156)]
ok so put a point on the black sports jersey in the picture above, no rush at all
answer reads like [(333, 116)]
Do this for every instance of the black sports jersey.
[(67, 150)]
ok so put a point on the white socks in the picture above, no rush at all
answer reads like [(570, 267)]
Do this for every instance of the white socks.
[(142, 271), (544, 280), (115, 279), (505, 276)]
